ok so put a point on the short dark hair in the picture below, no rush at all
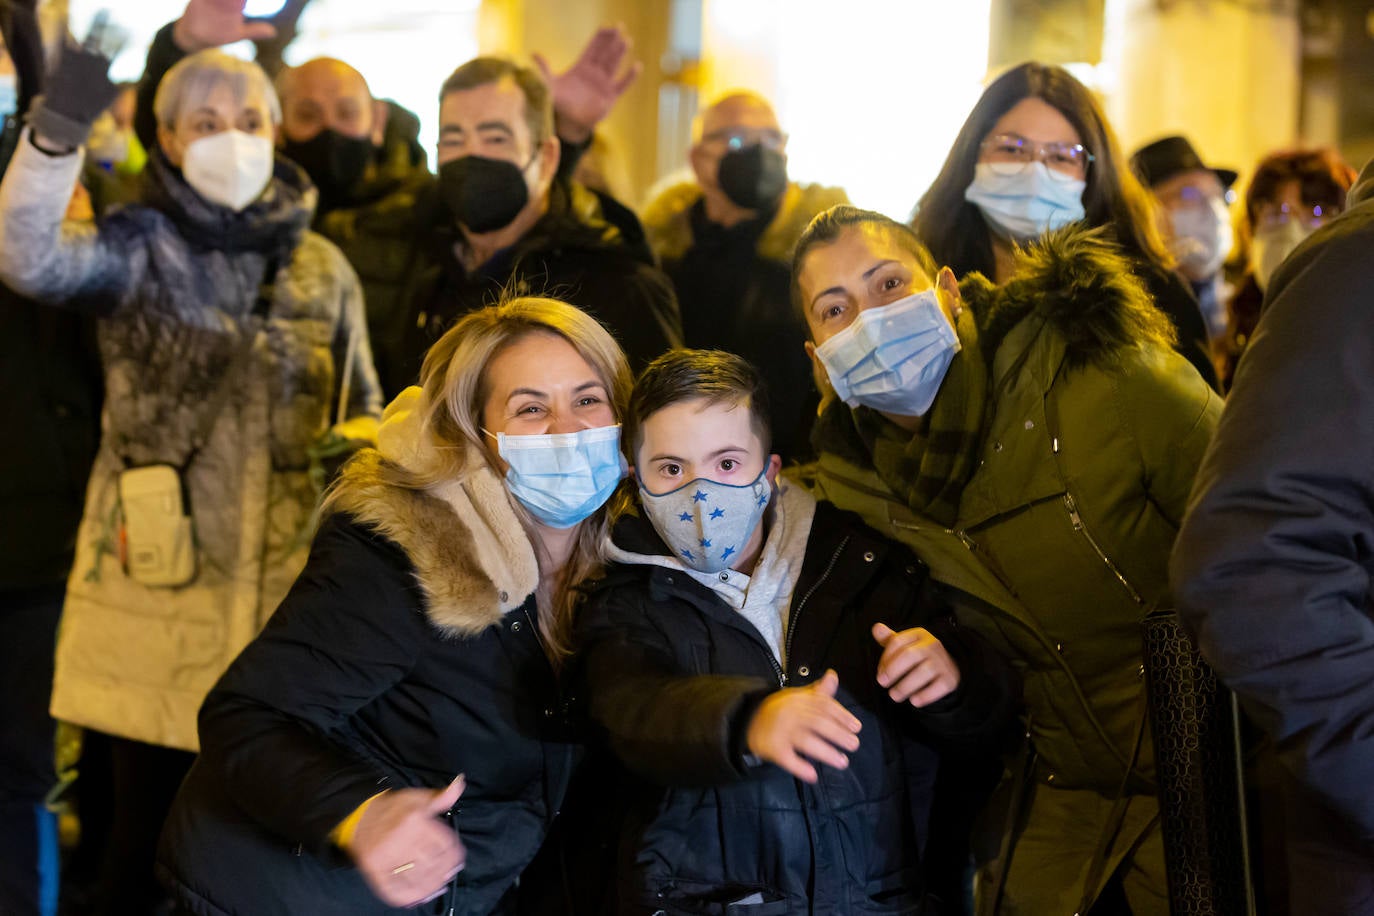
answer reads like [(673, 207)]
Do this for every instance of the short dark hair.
[(954, 228), (828, 226), (681, 375), (483, 71)]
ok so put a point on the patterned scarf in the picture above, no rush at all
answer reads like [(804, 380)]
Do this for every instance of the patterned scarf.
[(927, 469)]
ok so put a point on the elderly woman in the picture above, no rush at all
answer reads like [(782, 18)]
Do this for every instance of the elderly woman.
[(422, 643), (231, 339)]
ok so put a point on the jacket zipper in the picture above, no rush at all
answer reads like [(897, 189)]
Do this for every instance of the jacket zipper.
[(796, 612), (1077, 521)]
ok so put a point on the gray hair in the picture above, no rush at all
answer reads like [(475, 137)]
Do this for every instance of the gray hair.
[(194, 79)]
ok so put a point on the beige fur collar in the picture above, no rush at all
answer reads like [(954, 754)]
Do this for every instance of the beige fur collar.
[(472, 557)]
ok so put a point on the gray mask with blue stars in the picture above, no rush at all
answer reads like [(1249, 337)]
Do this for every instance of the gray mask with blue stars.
[(706, 524)]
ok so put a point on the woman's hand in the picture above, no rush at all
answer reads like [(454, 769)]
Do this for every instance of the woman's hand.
[(804, 720), (915, 666), (214, 23), (78, 89), (406, 853)]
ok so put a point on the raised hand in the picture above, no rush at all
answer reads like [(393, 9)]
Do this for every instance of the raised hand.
[(585, 93), (77, 90), (212, 23), (405, 852), (808, 721), (915, 666)]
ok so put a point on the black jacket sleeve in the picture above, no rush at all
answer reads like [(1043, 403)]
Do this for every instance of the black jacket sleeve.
[(666, 724), (1272, 567), (1173, 297), (347, 632), (163, 54)]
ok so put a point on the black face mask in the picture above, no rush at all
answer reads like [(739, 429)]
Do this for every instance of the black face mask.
[(754, 177), (335, 163), (483, 194)]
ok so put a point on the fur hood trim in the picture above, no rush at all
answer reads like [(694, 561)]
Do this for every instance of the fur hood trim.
[(1082, 284), (472, 558), (668, 222)]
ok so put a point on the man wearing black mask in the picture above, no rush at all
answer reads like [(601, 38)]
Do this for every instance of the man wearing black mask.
[(377, 196), (504, 224), (726, 242)]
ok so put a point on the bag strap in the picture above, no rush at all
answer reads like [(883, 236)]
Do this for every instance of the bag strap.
[(262, 305), (1115, 819)]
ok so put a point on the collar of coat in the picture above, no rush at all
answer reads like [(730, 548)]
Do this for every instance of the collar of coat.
[(668, 221), (1081, 285), (472, 557), (272, 224)]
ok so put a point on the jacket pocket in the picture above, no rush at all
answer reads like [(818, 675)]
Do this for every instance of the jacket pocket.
[(687, 898), (896, 894)]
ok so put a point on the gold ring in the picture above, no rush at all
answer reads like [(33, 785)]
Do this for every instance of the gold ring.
[(402, 869)]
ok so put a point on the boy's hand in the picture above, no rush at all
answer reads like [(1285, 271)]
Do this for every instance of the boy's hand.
[(915, 666), (804, 720)]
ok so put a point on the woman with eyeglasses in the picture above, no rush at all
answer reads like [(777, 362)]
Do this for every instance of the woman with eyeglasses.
[(1293, 194), (1037, 154)]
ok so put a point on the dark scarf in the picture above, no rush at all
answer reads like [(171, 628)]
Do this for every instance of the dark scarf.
[(270, 225), (929, 468)]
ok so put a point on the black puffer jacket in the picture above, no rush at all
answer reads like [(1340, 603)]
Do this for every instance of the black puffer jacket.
[(673, 675), (396, 661), (565, 255)]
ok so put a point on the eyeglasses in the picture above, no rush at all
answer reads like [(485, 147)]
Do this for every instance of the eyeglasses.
[(737, 138), (1271, 216), (1190, 196), (1011, 153)]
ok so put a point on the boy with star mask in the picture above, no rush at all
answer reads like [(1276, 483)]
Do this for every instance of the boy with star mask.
[(778, 679)]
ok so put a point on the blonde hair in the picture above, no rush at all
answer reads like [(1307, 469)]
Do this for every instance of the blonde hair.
[(453, 380), (192, 80)]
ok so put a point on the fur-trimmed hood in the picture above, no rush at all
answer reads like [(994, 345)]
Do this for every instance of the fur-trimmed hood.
[(1079, 282), (472, 557), (668, 221)]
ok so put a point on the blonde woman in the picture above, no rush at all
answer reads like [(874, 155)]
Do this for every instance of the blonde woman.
[(416, 659)]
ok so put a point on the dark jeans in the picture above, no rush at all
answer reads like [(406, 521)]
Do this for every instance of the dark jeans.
[(144, 780), (28, 831)]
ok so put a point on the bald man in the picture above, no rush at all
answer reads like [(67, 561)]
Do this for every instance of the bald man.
[(726, 242), (334, 129)]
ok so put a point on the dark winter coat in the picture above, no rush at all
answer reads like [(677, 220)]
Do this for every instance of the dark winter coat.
[(734, 288), (567, 255), (1274, 562), (673, 676), (398, 660), (50, 373)]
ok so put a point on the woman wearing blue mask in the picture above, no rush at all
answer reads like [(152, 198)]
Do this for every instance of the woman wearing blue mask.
[(1037, 154), (415, 662), (1034, 443)]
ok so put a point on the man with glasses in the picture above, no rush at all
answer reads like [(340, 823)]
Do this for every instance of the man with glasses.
[(1194, 218), (726, 242)]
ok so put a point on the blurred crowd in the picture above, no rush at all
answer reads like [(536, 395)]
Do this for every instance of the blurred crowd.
[(335, 477)]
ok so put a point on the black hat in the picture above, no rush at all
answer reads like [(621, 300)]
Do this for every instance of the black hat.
[(1169, 156)]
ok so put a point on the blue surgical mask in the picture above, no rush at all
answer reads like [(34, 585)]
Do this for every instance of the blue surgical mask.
[(9, 94), (562, 478), (892, 358), (706, 524), (1026, 203)]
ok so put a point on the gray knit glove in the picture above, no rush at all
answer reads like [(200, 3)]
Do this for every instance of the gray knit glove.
[(78, 90)]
